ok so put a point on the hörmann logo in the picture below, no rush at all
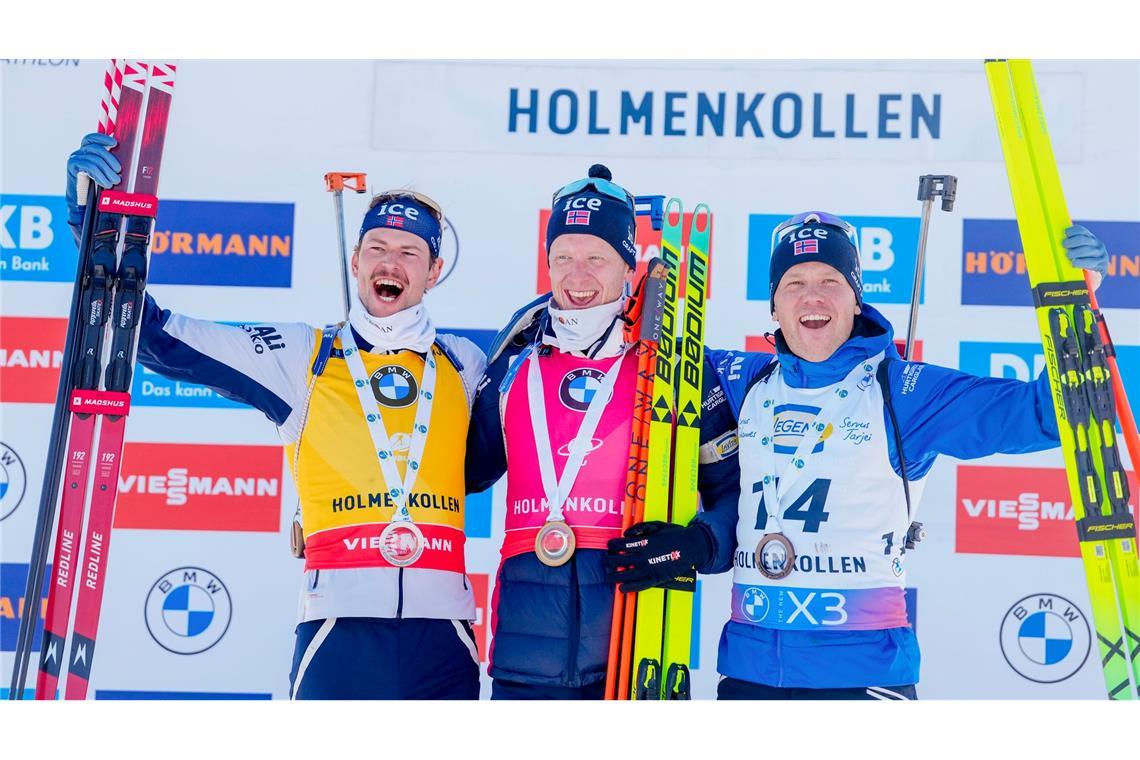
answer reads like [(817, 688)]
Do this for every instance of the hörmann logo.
[(31, 354), (200, 487)]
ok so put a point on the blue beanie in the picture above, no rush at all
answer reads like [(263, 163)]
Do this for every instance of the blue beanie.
[(815, 241), (588, 212), (407, 214)]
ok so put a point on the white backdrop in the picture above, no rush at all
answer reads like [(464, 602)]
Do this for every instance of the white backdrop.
[(247, 148)]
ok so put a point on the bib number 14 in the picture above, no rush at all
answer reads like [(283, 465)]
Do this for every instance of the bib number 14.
[(809, 506)]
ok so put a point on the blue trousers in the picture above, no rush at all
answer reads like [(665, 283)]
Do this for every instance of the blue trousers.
[(380, 658), (734, 688)]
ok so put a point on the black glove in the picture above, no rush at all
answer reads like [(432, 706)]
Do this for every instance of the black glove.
[(657, 554)]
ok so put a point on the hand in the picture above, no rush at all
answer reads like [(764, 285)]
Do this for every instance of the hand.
[(657, 554), (1085, 251), (93, 161)]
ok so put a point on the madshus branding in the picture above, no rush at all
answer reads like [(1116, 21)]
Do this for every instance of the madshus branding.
[(731, 115)]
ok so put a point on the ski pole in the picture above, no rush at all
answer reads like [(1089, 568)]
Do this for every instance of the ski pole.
[(930, 186), (336, 182)]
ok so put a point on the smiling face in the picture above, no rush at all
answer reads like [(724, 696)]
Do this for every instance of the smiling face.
[(815, 308), (586, 271), (393, 270)]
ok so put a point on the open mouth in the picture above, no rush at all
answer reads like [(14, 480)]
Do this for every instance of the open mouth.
[(815, 321), (387, 289), (581, 297)]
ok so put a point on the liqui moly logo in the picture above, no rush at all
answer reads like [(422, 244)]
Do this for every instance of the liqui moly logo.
[(200, 487), (135, 204)]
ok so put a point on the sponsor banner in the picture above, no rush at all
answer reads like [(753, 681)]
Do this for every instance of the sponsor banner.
[(194, 242), (13, 583), (13, 480), (648, 244), (148, 388), (478, 508), (479, 582), (887, 249), (188, 610), (31, 354), (768, 110), (35, 240), (53, 63), (994, 271), (1045, 638), (1024, 511), (1025, 361), (168, 486), (760, 344), (103, 694)]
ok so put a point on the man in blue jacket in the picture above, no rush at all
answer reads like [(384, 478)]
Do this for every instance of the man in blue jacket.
[(836, 436)]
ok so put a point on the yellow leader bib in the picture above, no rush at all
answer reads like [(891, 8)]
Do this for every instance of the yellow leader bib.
[(345, 503)]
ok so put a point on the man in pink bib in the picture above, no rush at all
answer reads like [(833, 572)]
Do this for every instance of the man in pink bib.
[(555, 413)]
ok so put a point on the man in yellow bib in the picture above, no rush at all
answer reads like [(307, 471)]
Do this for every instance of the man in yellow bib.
[(374, 417)]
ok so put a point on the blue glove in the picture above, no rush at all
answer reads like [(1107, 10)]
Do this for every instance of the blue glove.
[(1085, 250), (94, 161)]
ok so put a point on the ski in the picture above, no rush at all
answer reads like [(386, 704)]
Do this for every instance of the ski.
[(683, 504), (1077, 356), (642, 660)]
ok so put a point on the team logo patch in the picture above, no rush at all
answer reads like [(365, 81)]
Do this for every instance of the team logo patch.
[(13, 480), (1045, 638), (579, 387), (754, 604), (188, 610), (394, 387)]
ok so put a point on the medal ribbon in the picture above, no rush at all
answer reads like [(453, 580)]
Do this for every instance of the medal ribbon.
[(558, 490), (397, 489), (806, 448)]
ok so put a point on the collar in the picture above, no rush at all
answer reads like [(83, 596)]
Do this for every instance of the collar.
[(596, 333), (410, 328), (871, 334)]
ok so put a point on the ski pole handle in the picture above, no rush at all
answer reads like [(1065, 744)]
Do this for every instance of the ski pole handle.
[(336, 182)]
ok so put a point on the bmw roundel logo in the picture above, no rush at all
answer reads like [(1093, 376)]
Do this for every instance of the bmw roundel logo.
[(579, 387), (754, 604), (13, 480), (188, 610), (394, 387), (1045, 638)]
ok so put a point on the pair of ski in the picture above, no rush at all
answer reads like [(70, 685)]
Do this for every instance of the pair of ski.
[(650, 637), (1086, 384), (92, 405)]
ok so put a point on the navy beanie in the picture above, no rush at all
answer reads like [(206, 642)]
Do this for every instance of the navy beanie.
[(588, 212), (407, 214), (815, 241)]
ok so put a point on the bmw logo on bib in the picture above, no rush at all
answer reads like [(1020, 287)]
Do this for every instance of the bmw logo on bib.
[(188, 610), (579, 387), (394, 387)]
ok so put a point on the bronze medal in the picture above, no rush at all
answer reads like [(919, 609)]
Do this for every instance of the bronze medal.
[(554, 544), (775, 556), (402, 543)]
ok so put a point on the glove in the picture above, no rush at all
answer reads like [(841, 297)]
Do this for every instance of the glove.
[(1085, 251), (657, 554), (93, 161)]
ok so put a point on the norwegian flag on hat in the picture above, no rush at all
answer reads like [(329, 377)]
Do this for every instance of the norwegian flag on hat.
[(801, 247), (394, 221), (578, 216)]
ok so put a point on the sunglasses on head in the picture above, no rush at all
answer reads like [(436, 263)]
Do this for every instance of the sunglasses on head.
[(393, 195), (814, 217), (598, 185)]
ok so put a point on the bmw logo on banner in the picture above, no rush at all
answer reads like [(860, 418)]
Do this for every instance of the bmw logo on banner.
[(188, 610), (578, 388), (394, 387), (13, 480), (1045, 638)]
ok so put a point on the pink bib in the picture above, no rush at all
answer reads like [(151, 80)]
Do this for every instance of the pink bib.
[(593, 508)]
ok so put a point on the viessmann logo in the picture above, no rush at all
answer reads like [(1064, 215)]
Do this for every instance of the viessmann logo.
[(647, 243), (200, 487), (1017, 510)]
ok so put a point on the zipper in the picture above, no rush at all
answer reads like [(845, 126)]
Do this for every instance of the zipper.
[(400, 594), (575, 628)]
